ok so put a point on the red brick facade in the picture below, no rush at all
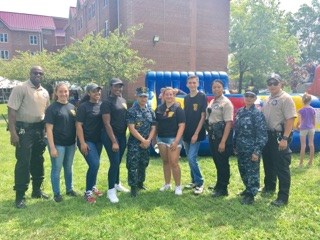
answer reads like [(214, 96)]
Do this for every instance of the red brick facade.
[(27, 32), (193, 34)]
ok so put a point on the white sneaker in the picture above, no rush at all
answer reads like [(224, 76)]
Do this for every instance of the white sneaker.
[(165, 187), (112, 195), (121, 188), (198, 190), (178, 191)]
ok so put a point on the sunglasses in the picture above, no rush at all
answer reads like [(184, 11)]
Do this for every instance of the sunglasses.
[(273, 83), (37, 73), (249, 96)]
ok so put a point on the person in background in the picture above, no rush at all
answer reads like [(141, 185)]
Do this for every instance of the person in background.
[(250, 136), (114, 112), (26, 109), (60, 122), (141, 124), (88, 127), (195, 104), (170, 126), (219, 118), (280, 112), (306, 125)]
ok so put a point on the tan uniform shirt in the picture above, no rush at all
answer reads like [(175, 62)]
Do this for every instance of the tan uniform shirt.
[(222, 110), (29, 102), (278, 109)]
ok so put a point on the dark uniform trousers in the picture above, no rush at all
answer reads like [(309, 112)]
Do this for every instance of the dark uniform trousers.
[(276, 165), (29, 155), (221, 161), (137, 162)]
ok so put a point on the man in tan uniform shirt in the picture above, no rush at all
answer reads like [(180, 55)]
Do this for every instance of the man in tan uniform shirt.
[(26, 109), (280, 112)]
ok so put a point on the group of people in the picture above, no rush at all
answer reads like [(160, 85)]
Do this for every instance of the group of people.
[(252, 134)]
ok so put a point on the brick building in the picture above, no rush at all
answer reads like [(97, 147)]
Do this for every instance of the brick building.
[(28, 32), (180, 35)]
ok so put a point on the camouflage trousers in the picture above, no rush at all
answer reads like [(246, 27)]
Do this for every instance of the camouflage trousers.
[(137, 162), (249, 172)]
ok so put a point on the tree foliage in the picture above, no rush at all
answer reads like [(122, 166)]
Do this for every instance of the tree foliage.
[(98, 59), (259, 41), (305, 24)]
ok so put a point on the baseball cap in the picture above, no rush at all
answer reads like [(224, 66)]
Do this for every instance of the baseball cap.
[(274, 77), (250, 94), (115, 81), (91, 87), (142, 91)]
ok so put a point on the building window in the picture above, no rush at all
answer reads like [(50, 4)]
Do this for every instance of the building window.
[(106, 28), (80, 23), (105, 3), (3, 37), (4, 54), (33, 40), (91, 11)]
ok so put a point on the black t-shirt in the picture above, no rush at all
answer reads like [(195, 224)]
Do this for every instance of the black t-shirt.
[(89, 114), (193, 107), (168, 120), (63, 118), (117, 108)]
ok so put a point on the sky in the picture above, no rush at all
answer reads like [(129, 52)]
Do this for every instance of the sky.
[(60, 8)]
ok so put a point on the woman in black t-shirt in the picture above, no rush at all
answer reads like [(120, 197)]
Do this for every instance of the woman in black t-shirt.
[(61, 132), (170, 126), (114, 112), (89, 125)]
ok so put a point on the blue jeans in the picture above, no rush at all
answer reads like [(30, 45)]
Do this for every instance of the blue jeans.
[(65, 159), (114, 157), (93, 161), (192, 154)]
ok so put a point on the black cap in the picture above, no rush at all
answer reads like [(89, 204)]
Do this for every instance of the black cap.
[(274, 77), (142, 91), (91, 87), (115, 81), (250, 93)]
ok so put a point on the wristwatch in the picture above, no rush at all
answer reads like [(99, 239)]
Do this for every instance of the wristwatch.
[(285, 138)]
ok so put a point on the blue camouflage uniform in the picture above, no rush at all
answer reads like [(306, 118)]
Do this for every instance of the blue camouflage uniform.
[(250, 137), (137, 157)]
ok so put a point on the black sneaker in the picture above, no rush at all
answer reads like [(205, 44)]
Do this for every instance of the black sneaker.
[(133, 191), (220, 193), (39, 194), (72, 193), (57, 198), (279, 203), (21, 203), (247, 200)]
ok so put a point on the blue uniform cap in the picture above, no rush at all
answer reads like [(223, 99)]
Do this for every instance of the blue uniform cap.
[(142, 91)]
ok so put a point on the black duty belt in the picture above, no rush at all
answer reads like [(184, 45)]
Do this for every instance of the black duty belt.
[(26, 125)]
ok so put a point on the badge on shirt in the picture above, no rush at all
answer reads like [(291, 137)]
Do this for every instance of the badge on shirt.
[(274, 102), (73, 112), (195, 107)]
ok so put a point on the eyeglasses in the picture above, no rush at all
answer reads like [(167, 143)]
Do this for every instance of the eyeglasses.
[(249, 96), (37, 73), (272, 83)]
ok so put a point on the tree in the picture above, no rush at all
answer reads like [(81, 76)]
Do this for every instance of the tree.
[(98, 59), (19, 67), (259, 41), (305, 24)]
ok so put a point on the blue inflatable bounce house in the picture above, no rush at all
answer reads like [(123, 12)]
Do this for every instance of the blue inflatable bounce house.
[(155, 80)]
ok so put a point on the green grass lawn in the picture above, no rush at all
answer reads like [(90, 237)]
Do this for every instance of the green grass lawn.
[(157, 215)]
